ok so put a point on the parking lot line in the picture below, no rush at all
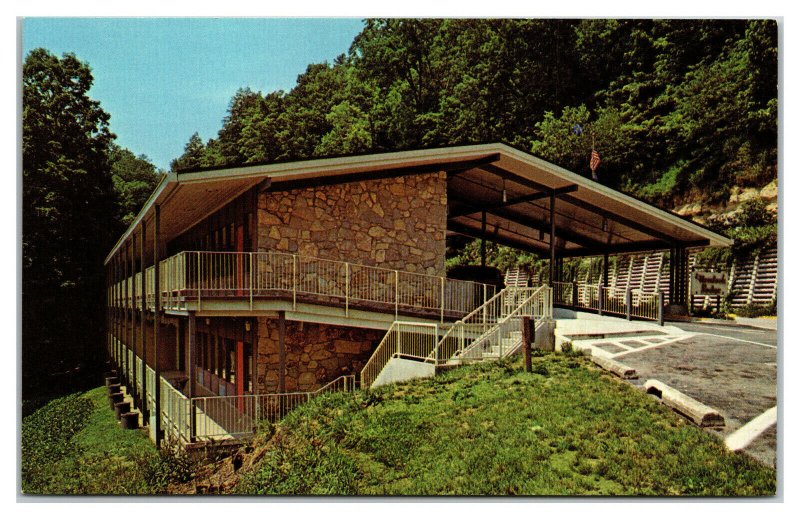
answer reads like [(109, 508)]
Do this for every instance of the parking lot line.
[(745, 435), (740, 340), (652, 346)]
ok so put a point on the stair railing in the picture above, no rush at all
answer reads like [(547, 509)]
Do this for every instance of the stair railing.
[(404, 340), (535, 302)]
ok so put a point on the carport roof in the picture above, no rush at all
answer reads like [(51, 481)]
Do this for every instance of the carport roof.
[(589, 218)]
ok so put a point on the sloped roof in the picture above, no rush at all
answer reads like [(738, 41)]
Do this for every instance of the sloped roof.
[(590, 218)]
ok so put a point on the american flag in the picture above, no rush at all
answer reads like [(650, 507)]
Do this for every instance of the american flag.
[(594, 161)]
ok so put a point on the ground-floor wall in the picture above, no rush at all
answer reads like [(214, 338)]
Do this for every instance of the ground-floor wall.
[(169, 349), (314, 354)]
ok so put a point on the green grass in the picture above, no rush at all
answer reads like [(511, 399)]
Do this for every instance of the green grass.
[(74, 445), (566, 429)]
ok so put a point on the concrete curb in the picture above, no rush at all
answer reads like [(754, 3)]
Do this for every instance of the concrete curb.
[(699, 413), (733, 324), (613, 366)]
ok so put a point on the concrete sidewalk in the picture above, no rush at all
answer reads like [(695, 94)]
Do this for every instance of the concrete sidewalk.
[(576, 326), (766, 324)]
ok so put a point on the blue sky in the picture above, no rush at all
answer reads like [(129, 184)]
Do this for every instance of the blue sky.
[(164, 79)]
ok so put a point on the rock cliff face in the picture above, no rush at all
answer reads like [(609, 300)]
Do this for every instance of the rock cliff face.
[(700, 212), (395, 223)]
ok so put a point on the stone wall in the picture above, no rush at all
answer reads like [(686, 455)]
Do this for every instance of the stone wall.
[(396, 223), (315, 354)]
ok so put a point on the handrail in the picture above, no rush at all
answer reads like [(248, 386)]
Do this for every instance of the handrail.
[(186, 419), (197, 275), (421, 339), (624, 301), (533, 305), (238, 415), (464, 332)]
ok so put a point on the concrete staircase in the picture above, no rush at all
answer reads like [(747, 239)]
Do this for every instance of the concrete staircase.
[(508, 345)]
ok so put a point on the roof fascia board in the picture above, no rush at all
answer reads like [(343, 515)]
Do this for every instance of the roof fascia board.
[(714, 238), (168, 184), (332, 166)]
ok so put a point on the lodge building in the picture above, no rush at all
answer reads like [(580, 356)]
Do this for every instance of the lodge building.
[(285, 278)]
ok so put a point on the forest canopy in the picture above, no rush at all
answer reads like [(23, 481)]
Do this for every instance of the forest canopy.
[(677, 109)]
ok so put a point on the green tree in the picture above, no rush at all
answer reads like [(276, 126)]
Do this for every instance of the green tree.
[(134, 178), (68, 203), (194, 155)]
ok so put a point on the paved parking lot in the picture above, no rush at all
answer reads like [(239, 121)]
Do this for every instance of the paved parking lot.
[(732, 369)]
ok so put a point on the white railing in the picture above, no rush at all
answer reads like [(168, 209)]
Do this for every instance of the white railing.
[(195, 276), (486, 327), (504, 338), (139, 383), (405, 340), (486, 318), (647, 305), (175, 413), (150, 388), (226, 417), (612, 300)]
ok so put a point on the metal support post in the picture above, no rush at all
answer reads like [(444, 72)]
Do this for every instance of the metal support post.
[(574, 295), (552, 238), (281, 351), (143, 285), (159, 434), (628, 301), (600, 300), (193, 375)]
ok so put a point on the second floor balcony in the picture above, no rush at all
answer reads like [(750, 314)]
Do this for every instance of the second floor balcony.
[(199, 280)]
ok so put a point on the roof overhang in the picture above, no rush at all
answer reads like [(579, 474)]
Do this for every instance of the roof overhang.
[(590, 218)]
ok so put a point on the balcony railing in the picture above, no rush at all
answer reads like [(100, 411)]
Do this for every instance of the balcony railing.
[(186, 420), (249, 276), (611, 300)]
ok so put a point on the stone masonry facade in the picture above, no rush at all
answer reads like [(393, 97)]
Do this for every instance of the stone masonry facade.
[(315, 354), (395, 223)]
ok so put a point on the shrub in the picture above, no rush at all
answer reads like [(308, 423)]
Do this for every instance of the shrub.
[(173, 465), (752, 310), (46, 436)]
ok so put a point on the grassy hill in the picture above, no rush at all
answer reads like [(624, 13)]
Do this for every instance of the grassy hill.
[(567, 428), (74, 445), (490, 429)]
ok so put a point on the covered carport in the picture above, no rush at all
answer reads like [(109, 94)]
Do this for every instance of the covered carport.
[(512, 198)]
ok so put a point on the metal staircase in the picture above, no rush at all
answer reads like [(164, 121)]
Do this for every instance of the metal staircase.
[(492, 331)]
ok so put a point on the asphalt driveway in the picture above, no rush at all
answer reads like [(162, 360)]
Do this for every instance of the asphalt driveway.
[(732, 369)]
